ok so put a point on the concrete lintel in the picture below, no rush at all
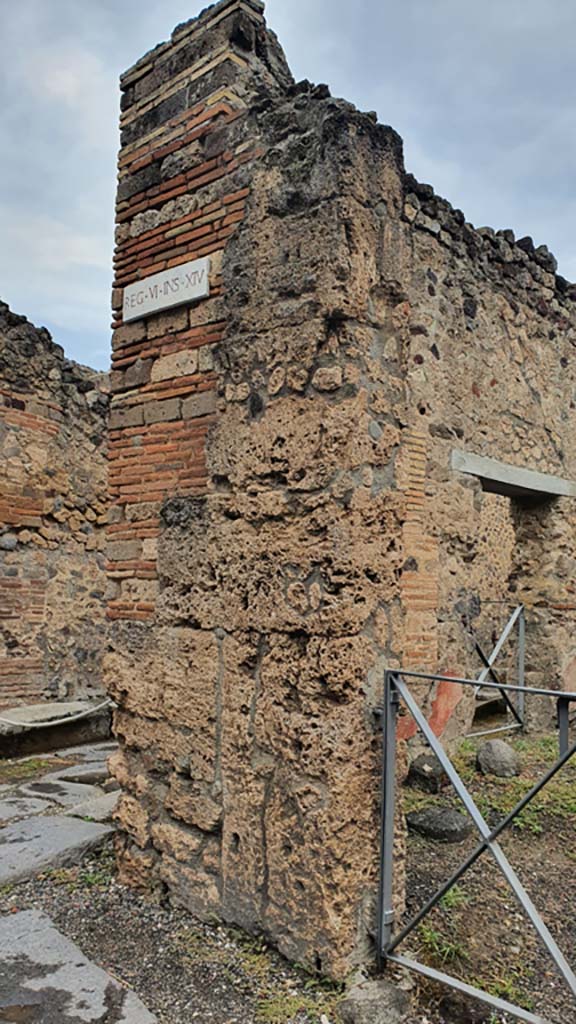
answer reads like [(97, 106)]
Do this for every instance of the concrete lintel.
[(512, 481)]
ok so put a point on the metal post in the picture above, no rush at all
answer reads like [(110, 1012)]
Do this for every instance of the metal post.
[(521, 700), (494, 675), (563, 724), (385, 896)]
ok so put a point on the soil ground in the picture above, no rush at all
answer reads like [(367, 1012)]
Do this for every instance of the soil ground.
[(186, 971), (479, 932), (182, 970)]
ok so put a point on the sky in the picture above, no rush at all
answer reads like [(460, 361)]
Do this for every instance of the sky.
[(483, 95)]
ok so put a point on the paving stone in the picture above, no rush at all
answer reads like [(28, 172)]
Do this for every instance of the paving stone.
[(61, 791), (33, 714), (22, 807), (46, 977), (90, 752), (101, 808), (60, 727), (38, 844), (92, 773)]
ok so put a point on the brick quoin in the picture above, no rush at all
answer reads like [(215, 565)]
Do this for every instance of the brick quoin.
[(188, 209)]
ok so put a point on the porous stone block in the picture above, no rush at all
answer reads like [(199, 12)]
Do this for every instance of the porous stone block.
[(177, 364), (167, 323), (127, 416), (162, 412), (202, 404), (123, 550), (133, 819), (194, 803)]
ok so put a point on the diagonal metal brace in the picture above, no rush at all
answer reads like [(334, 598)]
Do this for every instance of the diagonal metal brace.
[(497, 680), (484, 830), (479, 850), (469, 990)]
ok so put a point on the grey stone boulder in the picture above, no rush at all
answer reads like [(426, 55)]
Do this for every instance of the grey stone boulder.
[(495, 757), (426, 773), (375, 1002), (442, 824), (45, 977)]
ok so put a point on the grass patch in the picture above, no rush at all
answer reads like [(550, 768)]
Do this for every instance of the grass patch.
[(440, 947), (63, 876), (454, 898), (98, 878), (282, 1009), (20, 771), (97, 873), (507, 985), (496, 797)]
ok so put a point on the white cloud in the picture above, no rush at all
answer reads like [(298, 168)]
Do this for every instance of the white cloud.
[(482, 94), (47, 244)]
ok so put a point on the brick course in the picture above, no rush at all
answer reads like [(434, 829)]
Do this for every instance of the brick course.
[(52, 518)]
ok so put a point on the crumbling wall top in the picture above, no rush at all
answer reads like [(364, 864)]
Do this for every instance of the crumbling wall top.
[(32, 363), (236, 25), (521, 269)]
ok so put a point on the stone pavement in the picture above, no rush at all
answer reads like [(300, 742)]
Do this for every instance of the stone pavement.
[(46, 823), (43, 843), (55, 819), (45, 978)]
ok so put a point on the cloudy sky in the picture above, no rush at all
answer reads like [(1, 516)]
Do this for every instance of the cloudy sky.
[(482, 93)]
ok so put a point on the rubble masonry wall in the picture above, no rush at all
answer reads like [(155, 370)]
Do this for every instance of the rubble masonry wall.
[(53, 503), (286, 523)]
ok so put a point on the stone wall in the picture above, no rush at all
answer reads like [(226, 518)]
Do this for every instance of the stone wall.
[(286, 522), (52, 514), (488, 345)]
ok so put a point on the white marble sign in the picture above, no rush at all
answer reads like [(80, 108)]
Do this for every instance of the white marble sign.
[(172, 287)]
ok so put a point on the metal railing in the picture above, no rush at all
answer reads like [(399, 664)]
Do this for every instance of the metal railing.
[(395, 692), (516, 621)]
